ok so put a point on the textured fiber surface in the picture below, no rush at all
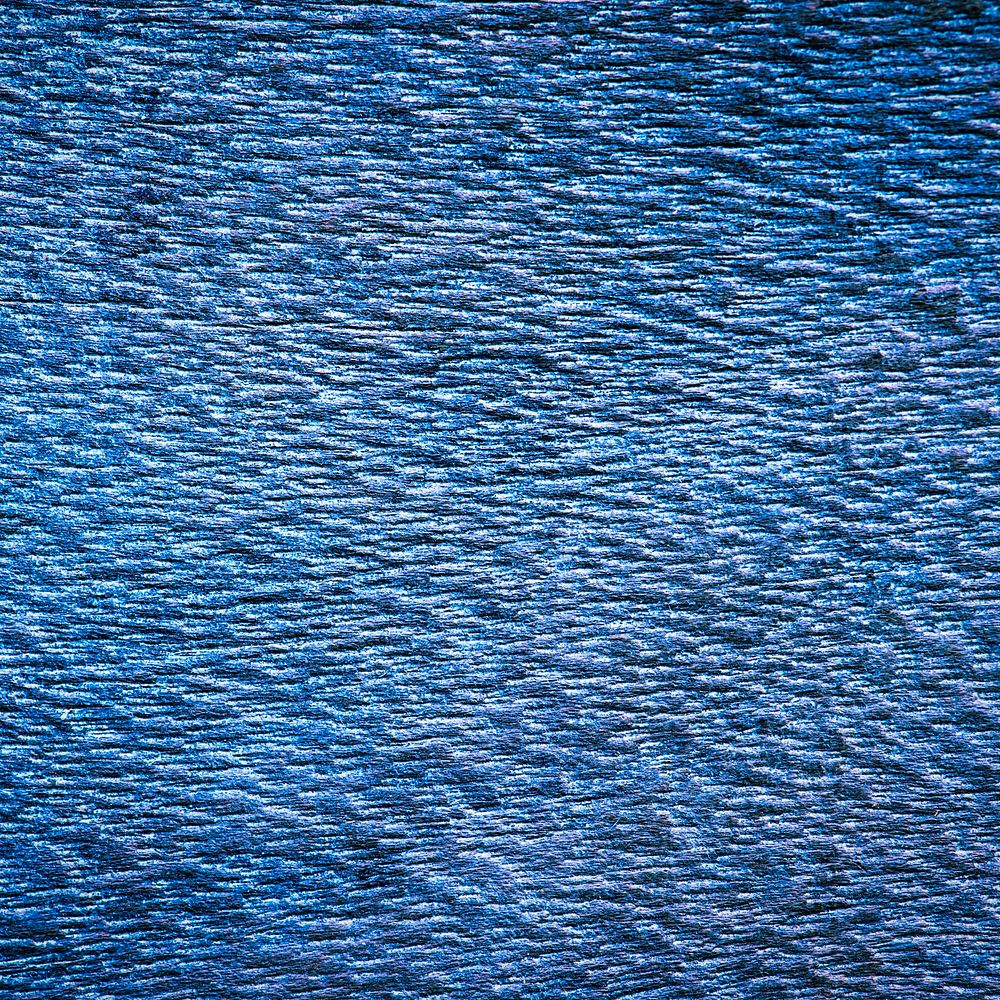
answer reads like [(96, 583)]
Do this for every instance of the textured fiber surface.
[(499, 500)]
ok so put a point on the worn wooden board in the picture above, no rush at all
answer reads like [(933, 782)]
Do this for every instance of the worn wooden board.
[(499, 500)]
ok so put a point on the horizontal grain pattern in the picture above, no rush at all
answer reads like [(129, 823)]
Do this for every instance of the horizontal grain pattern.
[(499, 499)]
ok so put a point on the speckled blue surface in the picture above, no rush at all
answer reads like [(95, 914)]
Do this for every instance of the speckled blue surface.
[(499, 500)]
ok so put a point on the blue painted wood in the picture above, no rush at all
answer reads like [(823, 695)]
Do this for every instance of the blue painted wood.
[(499, 500)]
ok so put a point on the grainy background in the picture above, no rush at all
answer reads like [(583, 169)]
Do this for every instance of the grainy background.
[(500, 500)]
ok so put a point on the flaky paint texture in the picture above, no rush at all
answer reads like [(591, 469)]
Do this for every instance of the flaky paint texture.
[(499, 500)]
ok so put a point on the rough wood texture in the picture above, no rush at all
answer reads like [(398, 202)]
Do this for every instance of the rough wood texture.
[(500, 500)]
